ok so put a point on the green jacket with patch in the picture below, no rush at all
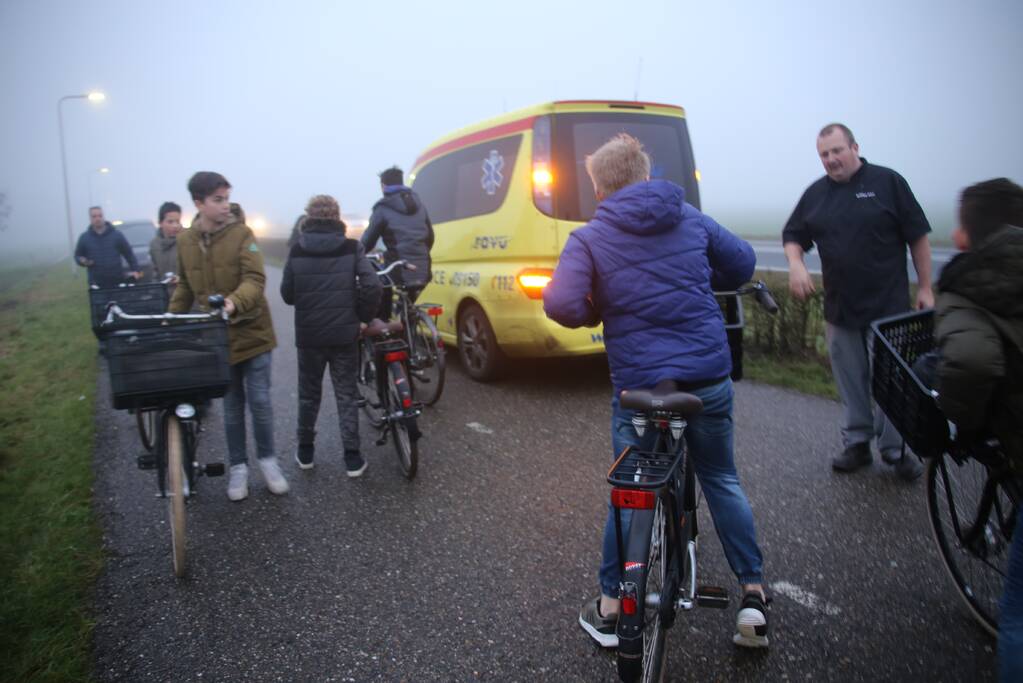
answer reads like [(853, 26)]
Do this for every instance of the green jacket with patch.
[(979, 332), (228, 262)]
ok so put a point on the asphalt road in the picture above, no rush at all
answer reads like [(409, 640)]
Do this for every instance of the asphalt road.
[(476, 570)]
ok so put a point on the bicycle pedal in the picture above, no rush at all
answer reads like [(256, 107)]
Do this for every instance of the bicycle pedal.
[(712, 596), (213, 469), (146, 461)]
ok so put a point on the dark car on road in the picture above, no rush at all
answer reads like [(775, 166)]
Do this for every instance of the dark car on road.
[(139, 234)]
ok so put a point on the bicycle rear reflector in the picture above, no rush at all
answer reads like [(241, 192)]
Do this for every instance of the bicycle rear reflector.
[(406, 402), (629, 604), (434, 311), (393, 356), (631, 499)]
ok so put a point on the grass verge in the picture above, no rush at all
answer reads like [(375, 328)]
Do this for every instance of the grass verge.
[(50, 545), (808, 376)]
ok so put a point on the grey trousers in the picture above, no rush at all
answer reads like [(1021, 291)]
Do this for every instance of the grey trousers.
[(851, 359), (343, 362)]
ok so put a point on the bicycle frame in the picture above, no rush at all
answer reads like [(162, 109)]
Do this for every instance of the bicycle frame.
[(972, 537)]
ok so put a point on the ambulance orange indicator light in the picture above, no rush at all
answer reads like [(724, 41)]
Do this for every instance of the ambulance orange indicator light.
[(533, 280)]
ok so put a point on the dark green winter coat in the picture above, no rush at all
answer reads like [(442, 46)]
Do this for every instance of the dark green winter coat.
[(979, 332)]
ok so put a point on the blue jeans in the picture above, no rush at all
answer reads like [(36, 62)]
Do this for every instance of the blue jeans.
[(709, 440), (250, 380), (1010, 620)]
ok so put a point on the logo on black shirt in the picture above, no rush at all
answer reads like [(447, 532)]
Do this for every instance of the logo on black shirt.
[(865, 195)]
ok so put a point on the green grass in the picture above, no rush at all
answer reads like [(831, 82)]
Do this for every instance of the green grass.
[(50, 550), (809, 376)]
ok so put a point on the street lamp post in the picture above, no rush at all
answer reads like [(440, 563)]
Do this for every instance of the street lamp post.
[(92, 97)]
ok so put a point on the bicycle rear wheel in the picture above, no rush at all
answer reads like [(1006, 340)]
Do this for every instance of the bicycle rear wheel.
[(367, 383), (976, 562), (407, 449), (643, 659), (145, 420), (176, 492), (427, 364)]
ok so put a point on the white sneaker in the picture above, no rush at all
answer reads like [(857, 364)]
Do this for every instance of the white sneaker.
[(238, 484), (751, 622), (275, 480)]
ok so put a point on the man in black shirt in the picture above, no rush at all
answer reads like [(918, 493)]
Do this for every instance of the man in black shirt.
[(860, 217)]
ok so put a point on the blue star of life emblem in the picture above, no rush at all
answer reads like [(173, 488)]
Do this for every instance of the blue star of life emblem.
[(492, 177)]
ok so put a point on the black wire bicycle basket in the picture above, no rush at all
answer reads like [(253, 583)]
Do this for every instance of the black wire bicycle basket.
[(183, 361), (907, 401)]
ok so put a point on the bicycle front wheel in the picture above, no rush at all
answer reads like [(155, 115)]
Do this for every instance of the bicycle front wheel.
[(643, 659), (973, 531), (427, 364), (175, 493), (145, 420), (407, 449)]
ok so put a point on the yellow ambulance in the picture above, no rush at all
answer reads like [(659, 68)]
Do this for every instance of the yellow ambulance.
[(503, 196)]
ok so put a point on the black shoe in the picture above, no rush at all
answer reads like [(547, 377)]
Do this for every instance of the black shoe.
[(355, 464), (751, 622), (853, 458), (600, 628), (909, 467), (304, 455)]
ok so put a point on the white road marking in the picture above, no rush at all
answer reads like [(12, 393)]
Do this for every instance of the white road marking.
[(804, 598), (477, 427)]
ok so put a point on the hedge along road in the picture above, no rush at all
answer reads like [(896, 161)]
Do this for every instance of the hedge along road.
[(476, 570)]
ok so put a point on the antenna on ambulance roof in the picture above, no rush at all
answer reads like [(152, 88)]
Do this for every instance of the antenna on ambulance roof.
[(639, 72)]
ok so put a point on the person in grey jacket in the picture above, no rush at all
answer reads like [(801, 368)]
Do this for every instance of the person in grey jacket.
[(402, 221), (163, 249), (334, 288), (100, 249)]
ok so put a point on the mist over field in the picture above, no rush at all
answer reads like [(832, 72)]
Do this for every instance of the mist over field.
[(313, 97)]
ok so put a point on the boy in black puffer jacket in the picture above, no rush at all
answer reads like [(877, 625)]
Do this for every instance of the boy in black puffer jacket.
[(333, 287), (979, 332)]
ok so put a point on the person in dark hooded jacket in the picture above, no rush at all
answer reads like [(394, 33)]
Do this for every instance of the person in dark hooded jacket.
[(979, 335), (334, 288), (402, 221), (100, 249), (646, 266)]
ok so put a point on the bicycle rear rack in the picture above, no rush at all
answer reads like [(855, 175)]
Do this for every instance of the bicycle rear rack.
[(636, 469)]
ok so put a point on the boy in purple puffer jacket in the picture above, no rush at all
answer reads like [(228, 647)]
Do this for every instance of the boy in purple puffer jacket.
[(646, 266)]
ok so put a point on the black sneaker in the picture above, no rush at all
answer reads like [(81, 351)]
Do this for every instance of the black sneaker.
[(909, 467), (355, 464), (601, 629), (853, 458), (751, 622), (304, 455)]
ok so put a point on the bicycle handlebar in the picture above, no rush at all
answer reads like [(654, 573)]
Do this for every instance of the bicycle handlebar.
[(399, 262), (114, 313), (760, 293)]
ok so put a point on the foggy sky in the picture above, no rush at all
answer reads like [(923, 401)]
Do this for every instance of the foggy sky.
[(320, 96)]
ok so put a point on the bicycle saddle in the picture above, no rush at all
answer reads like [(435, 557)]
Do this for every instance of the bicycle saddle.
[(378, 327), (664, 397)]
